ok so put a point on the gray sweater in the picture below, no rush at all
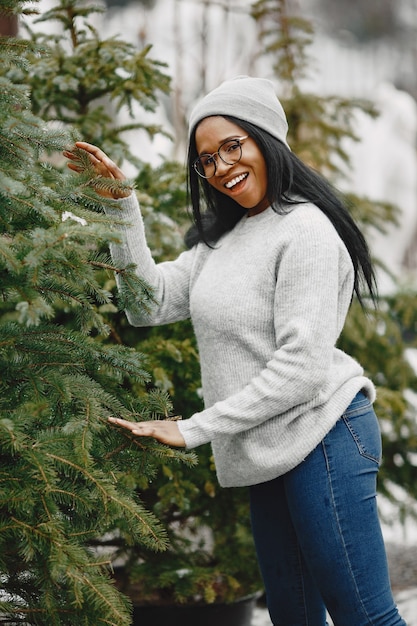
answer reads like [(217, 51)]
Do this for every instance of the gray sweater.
[(267, 305)]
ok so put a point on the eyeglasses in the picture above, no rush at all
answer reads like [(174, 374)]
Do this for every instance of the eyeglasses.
[(230, 153)]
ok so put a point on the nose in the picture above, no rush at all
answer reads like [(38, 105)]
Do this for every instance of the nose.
[(221, 167)]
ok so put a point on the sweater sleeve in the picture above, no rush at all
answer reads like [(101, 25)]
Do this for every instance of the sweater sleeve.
[(313, 292), (169, 280)]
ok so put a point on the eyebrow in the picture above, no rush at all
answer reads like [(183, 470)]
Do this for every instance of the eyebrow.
[(235, 136)]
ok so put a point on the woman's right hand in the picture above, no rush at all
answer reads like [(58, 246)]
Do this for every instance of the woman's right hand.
[(102, 164)]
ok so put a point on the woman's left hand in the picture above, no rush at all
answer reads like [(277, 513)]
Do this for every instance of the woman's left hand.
[(164, 431), (102, 164)]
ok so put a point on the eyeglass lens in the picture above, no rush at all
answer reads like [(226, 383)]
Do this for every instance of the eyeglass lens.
[(230, 153)]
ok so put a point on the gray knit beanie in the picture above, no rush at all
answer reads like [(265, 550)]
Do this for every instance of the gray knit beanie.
[(249, 99)]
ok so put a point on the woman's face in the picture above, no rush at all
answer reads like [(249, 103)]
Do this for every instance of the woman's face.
[(245, 181)]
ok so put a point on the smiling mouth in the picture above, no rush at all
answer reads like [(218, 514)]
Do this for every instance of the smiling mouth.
[(238, 179)]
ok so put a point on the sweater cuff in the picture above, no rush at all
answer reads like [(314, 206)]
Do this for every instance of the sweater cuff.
[(192, 433), (123, 207)]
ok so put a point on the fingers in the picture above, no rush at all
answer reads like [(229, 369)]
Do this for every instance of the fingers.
[(103, 165), (124, 423), (164, 431), (72, 157), (101, 161), (72, 166)]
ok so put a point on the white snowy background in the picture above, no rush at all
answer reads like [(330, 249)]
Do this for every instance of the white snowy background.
[(206, 42)]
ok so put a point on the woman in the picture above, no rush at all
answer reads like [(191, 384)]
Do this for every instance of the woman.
[(273, 263)]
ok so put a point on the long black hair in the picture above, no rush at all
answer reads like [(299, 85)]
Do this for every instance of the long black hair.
[(289, 179)]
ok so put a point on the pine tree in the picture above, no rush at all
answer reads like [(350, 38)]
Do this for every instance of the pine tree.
[(62, 468), (185, 502), (379, 340), (85, 81)]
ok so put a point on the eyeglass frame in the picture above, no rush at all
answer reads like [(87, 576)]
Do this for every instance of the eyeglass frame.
[(214, 154)]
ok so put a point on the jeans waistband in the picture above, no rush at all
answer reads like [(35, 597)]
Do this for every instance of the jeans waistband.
[(359, 402)]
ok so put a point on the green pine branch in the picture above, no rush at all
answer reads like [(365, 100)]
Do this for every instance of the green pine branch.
[(67, 478)]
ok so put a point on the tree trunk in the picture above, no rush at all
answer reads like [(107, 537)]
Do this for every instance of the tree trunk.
[(8, 26)]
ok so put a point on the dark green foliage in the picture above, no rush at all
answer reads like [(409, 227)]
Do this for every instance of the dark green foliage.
[(183, 501), (85, 81), (211, 554), (62, 467)]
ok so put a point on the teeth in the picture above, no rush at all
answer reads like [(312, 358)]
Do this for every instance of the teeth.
[(235, 181)]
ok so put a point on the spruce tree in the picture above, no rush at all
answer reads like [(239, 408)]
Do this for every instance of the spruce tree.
[(63, 477), (185, 502)]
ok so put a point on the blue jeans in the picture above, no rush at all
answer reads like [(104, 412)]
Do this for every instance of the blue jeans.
[(317, 533)]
